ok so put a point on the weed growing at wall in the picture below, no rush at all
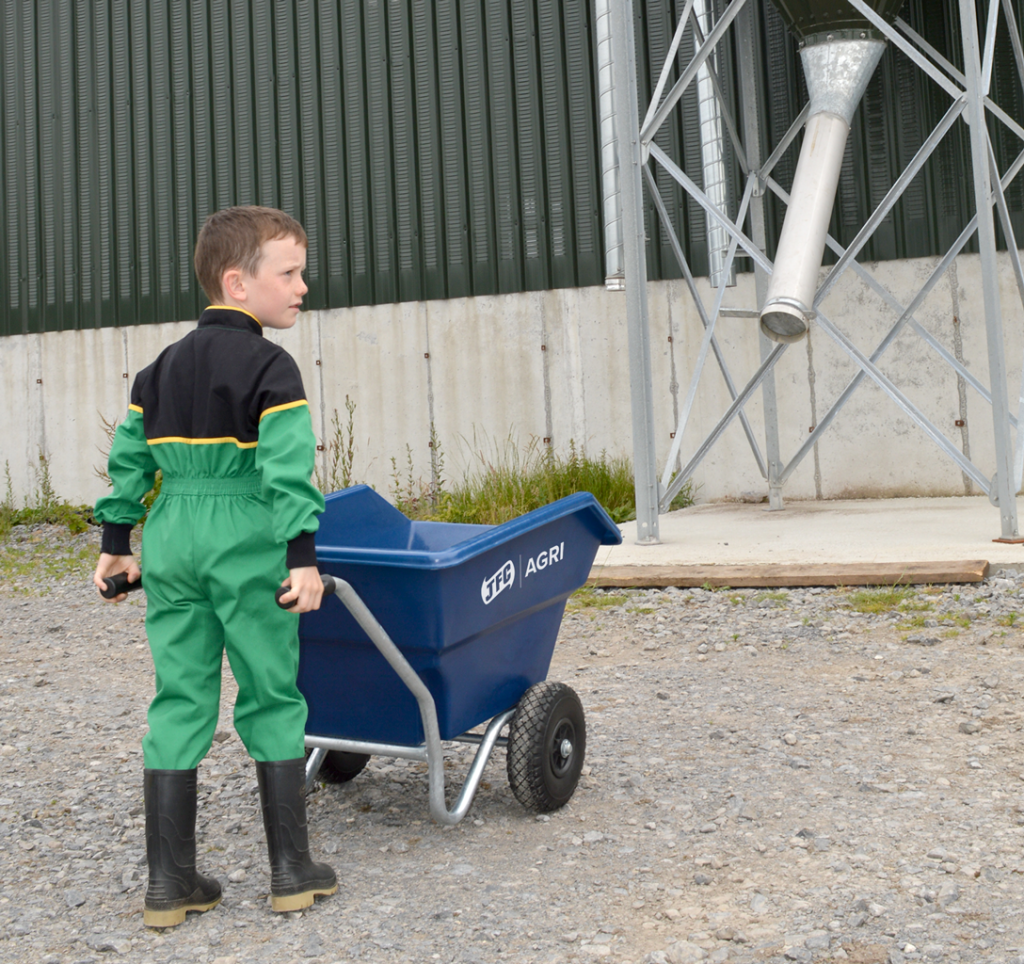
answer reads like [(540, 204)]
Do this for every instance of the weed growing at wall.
[(341, 453), (414, 497), (43, 506), (511, 481), (410, 494), (500, 485), (7, 508)]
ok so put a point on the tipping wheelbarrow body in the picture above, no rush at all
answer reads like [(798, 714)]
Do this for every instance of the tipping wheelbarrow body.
[(472, 612)]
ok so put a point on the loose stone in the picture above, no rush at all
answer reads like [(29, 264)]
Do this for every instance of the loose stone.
[(695, 833)]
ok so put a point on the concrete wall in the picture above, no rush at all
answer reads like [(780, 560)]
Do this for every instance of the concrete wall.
[(554, 365)]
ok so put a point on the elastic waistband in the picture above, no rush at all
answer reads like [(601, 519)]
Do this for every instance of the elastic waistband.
[(179, 485)]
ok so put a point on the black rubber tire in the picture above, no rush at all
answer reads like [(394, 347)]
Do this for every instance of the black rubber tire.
[(542, 776), (340, 766)]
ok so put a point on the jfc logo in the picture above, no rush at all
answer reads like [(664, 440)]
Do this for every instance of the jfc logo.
[(499, 582)]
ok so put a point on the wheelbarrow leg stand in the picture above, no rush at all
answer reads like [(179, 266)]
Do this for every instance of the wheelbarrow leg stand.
[(438, 806), (314, 761), (431, 752)]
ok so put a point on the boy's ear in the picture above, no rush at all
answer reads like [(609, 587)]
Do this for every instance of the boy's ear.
[(233, 284)]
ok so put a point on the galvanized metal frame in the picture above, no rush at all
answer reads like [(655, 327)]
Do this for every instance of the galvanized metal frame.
[(430, 751), (645, 467), (969, 91), (749, 55)]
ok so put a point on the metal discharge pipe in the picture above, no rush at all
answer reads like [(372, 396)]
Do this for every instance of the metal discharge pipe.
[(839, 51), (837, 75)]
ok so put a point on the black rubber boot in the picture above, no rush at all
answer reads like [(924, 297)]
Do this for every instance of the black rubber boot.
[(174, 885), (294, 878)]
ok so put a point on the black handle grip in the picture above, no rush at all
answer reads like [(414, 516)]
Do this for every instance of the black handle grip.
[(329, 587), (119, 584)]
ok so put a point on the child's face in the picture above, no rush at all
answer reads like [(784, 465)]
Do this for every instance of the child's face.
[(274, 293)]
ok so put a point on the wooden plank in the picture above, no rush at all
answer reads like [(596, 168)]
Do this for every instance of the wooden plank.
[(823, 574)]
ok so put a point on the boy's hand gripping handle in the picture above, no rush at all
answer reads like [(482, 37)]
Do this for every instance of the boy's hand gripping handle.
[(329, 587), (119, 584)]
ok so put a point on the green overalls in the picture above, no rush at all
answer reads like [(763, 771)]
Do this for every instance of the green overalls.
[(223, 414)]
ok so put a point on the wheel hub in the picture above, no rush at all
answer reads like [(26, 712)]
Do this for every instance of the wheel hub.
[(562, 747)]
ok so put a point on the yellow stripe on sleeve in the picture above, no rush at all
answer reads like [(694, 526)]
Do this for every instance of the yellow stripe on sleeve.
[(281, 408), (135, 408), (202, 441)]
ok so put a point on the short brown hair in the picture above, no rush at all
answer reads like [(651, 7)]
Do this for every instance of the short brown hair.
[(234, 238)]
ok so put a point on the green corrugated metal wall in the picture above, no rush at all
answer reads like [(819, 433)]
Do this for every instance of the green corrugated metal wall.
[(432, 148)]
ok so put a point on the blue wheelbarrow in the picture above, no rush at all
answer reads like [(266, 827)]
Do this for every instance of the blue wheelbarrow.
[(430, 630)]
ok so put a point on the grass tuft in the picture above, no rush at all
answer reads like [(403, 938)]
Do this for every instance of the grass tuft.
[(878, 600), (589, 598), (35, 572), (44, 507), (510, 482)]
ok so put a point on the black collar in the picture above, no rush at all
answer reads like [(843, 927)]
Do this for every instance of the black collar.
[(220, 316)]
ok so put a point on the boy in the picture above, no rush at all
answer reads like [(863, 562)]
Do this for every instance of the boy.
[(223, 414)]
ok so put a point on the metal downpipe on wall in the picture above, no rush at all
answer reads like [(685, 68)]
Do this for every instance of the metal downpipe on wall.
[(712, 147), (837, 74), (610, 181)]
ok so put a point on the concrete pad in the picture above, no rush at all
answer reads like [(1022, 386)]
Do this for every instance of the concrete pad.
[(887, 532)]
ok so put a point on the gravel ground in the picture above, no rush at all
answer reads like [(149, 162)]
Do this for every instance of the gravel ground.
[(771, 776)]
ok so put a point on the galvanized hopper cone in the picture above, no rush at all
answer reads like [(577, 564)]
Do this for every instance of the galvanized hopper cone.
[(815, 21), (839, 50)]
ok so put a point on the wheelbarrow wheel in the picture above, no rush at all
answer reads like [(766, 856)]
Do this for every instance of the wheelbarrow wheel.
[(547, 742), (340, 766)]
